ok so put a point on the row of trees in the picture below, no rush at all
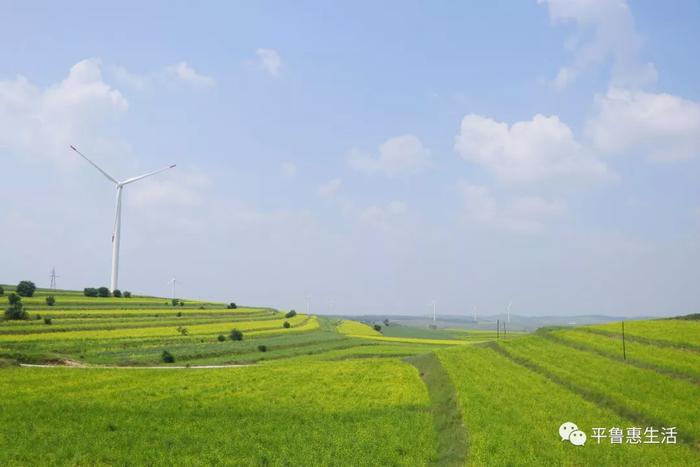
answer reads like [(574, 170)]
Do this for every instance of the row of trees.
[(104, 292), (23, 289)]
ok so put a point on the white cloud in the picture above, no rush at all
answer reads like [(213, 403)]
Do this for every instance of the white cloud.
[(188, 74), (520, 214), (382, 217), (330, 188), (398, 157), (528, 151), (661, 127), (44, 122), (269, 60), (605, 31), (289, 170)]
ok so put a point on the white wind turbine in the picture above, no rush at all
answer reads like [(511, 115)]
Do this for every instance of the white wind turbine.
[(118, 213)]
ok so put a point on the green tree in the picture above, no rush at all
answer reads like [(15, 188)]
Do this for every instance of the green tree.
[(221, 338), (236, 335), (2, 291), (231, 306), (291, 314), (16, 310), (127, 294), (377, 328), (286, 325), (117, 293), (26, 288), (103, 292), (50, 300), (90, 292)]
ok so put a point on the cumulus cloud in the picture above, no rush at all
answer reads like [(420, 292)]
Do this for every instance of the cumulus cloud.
[(520, 214), (44, 122), (330, 188), (606, 32), (527, 151), (401, 156), (269, 60), (661, 127), (186, 73)]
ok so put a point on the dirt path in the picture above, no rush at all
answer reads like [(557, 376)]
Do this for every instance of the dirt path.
[(83, 366)]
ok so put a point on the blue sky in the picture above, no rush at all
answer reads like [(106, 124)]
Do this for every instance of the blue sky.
[(375, 157)]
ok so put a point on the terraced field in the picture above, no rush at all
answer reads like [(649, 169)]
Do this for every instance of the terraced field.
[(317, 391)]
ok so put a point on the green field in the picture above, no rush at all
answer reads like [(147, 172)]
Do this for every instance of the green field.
[(322, 391)]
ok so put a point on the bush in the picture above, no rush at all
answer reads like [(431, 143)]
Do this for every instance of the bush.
[(117, 293), (2, 290), (127, 294), (16, 310), (47, 320), (236, 335), (286, 325), (174, 301), (377, 328), (90, 292), (103, 292), (26, 288), (50, 301), (386, 322), (167, 357), (14, 298), (182, 330), (262, 348), (178, 314), (291, 314), (231, 306), (221, 338), (182, 303)]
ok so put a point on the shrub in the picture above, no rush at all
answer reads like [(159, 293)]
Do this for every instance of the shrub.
[(127, 294), (47, 320), (2, 290), (14, 298), (182, 330), (16, 309), (50, 300), (201, 307), (386, 322), (174, 301), (231, 306), (182, 303), (236, 335), (90, 292), (286, 325), (377, 328), (117, 293), (167, 357), (103, 292), (221, 338), (26, 288), (262, 348), (178, 314), (37, 317), (291, 314)]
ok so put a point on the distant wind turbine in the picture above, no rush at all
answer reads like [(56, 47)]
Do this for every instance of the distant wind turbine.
[(172, 282), (434, 310), (508, 314), (118, 214), (474, 310)]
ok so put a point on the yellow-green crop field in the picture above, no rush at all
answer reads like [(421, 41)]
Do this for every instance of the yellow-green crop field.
[(318, 391)]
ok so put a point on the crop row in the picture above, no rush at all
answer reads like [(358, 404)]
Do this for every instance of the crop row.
[(512, 416)]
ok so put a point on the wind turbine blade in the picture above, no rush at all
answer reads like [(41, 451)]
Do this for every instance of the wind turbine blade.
[(95, 165), (134, 179)]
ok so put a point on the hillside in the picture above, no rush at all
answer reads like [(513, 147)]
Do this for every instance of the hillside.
[(326, 391)]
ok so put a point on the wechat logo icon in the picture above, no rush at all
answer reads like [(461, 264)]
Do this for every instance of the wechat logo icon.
[(569, 432)]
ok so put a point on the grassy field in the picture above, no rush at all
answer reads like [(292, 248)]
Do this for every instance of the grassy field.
[(321, 391)]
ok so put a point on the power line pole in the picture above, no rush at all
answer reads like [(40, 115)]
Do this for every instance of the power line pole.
[(53, 278), (624, 351), (498, 328)]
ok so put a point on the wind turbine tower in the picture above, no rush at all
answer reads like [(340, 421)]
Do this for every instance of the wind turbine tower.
[(434, 311), (172, 283), (508, 313), (118, 213)]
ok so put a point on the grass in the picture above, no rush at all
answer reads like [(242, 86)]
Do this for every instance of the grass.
[(513, 414), (360, 412)]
